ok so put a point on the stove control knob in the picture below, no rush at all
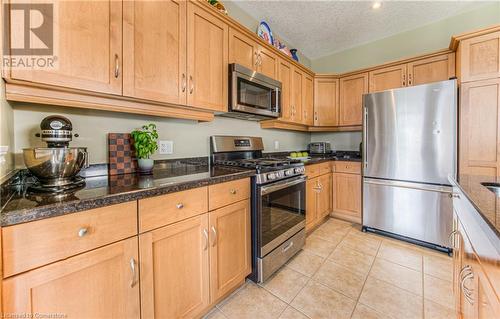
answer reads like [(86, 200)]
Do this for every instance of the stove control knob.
[(279, 174), (288, 172), (299, 170), (271, 176)]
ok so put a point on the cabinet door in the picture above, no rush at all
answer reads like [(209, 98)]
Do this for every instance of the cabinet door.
[(324, 196), (438, 68), (346, 194), (155, 62), (207, 50), (242, 49), (352, 89), (285, 77), (479, 122), (308, 100), (88, 47), (175, 269), (230, 250), (297, 85), (102, 283), (267, 63), (312, 189), (392, 77), (480, 57), (326, 102)]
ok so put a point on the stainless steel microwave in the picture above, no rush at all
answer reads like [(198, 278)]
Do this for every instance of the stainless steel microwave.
[(253, 95)]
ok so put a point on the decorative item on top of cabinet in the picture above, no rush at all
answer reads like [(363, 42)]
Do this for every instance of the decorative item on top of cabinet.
[(326, 101), (387, 78), (351, 93), (207, 84), (100, 283), (479, 57), (154, 63), (95, 66)]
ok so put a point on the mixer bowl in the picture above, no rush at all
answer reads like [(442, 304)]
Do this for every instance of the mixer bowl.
[(55, 166)]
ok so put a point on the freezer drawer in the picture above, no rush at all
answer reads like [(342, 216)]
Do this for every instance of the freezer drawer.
[(419, 211)]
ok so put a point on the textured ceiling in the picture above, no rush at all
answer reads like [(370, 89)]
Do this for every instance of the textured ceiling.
[(319, 28)]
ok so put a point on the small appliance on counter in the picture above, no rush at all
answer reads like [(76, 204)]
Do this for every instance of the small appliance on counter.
[(319, 148), (56, 166)]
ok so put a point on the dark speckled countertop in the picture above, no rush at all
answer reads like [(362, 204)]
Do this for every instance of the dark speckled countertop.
[(350, 156), (19, 206), (484, 200)]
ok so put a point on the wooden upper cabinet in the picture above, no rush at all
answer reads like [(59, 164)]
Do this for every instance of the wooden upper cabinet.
[(434, 69), (243, 50), (326, 102), (285, 77), (479, 57), (230, 249), (175, 270), (88, 48), (296, 94), (351, 93), (154, 50), (207, 48), (308, 100), (392, 77), (267, 63), (479, 122), (102, 283)]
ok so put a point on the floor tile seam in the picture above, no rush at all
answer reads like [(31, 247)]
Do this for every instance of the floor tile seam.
[(377, 311)]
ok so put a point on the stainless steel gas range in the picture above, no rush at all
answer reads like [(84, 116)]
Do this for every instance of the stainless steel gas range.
[(278, 201)]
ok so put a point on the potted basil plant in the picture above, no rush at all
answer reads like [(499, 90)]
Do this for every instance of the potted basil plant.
[(145, 143)]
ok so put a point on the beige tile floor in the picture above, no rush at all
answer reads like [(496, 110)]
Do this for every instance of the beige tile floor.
[(345, 273)]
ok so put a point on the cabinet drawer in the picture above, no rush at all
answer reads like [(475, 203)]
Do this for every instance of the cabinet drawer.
[(162, 210), (38, 243), (227, 193), (312, 170), (347, 167), (325, 168)]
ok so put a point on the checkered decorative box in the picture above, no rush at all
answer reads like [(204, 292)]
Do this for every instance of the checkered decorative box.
[(121, 154)]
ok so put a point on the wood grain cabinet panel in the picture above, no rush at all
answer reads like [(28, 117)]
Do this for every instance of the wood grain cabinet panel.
[(230, 249), (352, 89), (154, 50), (311, 203), (480, 57), (267, 63), (227, 193), (324, 196), (207, 47), (346, 196), (103, 283), (434, 69), (175, 270), (326, 102), (88, 47), (308, 100), (285, 77), (296, 94), (479, 122), (392, 77), (243, 50)]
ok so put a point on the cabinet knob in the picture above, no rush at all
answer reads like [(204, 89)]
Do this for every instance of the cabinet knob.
[(233, 191), (82, 232), (180, 206), (454, 196)]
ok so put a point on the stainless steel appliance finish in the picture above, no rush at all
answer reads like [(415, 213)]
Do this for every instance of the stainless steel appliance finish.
[(55, 166), (409, 139), (319, 148), (253, 96), (224, 143)]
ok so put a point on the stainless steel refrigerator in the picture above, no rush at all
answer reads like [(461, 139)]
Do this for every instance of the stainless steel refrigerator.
[(410, 149)]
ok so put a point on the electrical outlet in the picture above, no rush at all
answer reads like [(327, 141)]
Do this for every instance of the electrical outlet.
[(276, 145), (166, 147)]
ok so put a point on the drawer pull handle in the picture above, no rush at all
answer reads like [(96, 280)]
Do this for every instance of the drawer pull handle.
[(214, 231), (205, 234), (82, 232), (233, 191), (290, 245), (180, 206), (134, 273)]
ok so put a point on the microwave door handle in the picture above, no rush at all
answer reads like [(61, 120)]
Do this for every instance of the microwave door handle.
[(278, 101), (276, 187)]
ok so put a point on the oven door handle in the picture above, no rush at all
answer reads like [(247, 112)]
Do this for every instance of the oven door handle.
[(264, 190)]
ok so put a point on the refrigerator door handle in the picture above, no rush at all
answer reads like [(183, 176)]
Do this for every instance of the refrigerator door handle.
[(365, 135), (411, 185)]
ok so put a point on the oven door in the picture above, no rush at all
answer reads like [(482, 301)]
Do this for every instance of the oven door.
[(281, 210), (254, 93)]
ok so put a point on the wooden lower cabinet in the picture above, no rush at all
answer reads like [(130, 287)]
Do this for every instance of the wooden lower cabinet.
[(102, 283), (346, 196), (318, 200), (175, 269), (230, 248)]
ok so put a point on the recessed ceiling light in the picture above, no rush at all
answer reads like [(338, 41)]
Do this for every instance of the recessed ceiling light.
[(376, 5)]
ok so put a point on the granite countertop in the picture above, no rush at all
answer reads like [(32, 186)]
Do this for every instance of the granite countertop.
[(484, 200), (348, 156), (20, 206)]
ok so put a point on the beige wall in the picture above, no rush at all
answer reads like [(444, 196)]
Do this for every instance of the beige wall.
[(422, 40), (6, 132), (248, 21), (190, 138)]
